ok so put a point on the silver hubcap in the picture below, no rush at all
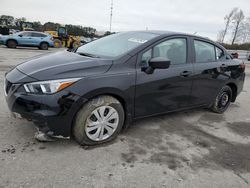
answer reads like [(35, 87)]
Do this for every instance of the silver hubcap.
[(224, 99), (102, 123)]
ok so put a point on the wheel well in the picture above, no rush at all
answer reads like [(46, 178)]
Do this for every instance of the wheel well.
[(234, 90), (121, 100), (10, 40), (44, 42)]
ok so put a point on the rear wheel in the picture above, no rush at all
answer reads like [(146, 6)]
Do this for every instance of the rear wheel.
[(99, 121), (44, 46), (11, 44), (222, 100)]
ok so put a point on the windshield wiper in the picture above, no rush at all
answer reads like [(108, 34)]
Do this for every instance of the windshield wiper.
[(87, 54)]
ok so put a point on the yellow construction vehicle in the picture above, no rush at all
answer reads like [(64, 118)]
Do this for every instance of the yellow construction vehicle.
[(62, 39)]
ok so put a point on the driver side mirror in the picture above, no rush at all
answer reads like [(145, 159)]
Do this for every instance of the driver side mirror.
[(157, 63), (20, 35)]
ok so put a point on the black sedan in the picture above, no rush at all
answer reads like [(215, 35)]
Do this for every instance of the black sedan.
[(97, 90)]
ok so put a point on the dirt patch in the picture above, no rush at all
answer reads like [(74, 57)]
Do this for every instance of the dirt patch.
[(11, 149), (172, 160), (230, 156), (241, 128), (129, 157), (212, 118), (157, 146)]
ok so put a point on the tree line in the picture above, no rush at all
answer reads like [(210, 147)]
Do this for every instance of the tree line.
[(236, 29), (76, 30)]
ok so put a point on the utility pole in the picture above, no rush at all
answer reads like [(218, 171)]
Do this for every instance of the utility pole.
[(111, 14)]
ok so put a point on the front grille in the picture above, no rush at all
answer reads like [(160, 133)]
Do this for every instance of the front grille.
[(7, 85)]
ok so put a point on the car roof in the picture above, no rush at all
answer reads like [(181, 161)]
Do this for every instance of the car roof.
[(161, 34), (168, 33), (34, 32)]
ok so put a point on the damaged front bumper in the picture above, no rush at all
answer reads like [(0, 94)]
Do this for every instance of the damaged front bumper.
[(52, 114)]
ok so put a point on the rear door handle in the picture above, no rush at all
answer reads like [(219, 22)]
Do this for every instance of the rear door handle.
[(186, 73)]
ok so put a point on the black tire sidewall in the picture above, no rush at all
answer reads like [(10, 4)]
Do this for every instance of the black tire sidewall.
[(82, 115), (44, 46), (14, 44), (216, 108)]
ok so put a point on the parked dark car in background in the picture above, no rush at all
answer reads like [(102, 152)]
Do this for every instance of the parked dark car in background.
[(28, 38), (97, 90)]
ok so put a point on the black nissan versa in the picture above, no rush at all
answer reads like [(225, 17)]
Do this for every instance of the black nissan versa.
[(95, 91)]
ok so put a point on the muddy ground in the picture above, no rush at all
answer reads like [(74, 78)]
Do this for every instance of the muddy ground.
[(195, 148)]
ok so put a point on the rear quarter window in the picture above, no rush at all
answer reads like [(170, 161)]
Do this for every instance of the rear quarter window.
[(38, 35), (219, 53)]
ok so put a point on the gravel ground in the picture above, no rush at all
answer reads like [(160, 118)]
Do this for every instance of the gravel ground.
[(196, 148)]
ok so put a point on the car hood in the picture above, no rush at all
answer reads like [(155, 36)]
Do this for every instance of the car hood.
[(63, 64)]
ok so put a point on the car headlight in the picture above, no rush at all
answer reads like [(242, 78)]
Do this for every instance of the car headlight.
[(49, 87)]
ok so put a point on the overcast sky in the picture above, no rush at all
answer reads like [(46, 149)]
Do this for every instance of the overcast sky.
[(202, 16)]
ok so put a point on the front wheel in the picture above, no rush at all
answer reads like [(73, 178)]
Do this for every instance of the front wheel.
[(11, 44), (44, 46), (98, 121), (223, 100)]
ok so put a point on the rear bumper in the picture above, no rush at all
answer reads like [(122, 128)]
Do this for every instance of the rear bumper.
[(51, 44), (50, 113)]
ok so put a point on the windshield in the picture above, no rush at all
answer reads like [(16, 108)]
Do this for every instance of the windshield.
[(116, 44)]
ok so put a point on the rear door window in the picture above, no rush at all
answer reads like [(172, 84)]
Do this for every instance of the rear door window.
[(26, 34), (204, 52), (38, 35)]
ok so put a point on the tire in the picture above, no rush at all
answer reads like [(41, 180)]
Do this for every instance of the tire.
[(76, 45), (57, 43), (90, 127), (222, 100), (11, 44), (44, 46)]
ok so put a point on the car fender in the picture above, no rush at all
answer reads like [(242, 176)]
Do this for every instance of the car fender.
[(120, 95), (11, 38), (126, 101)]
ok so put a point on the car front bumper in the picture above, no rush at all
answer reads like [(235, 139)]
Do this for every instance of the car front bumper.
[(52, 114)]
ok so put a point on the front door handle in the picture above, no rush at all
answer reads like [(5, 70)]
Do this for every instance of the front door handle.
[(186, 73)]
